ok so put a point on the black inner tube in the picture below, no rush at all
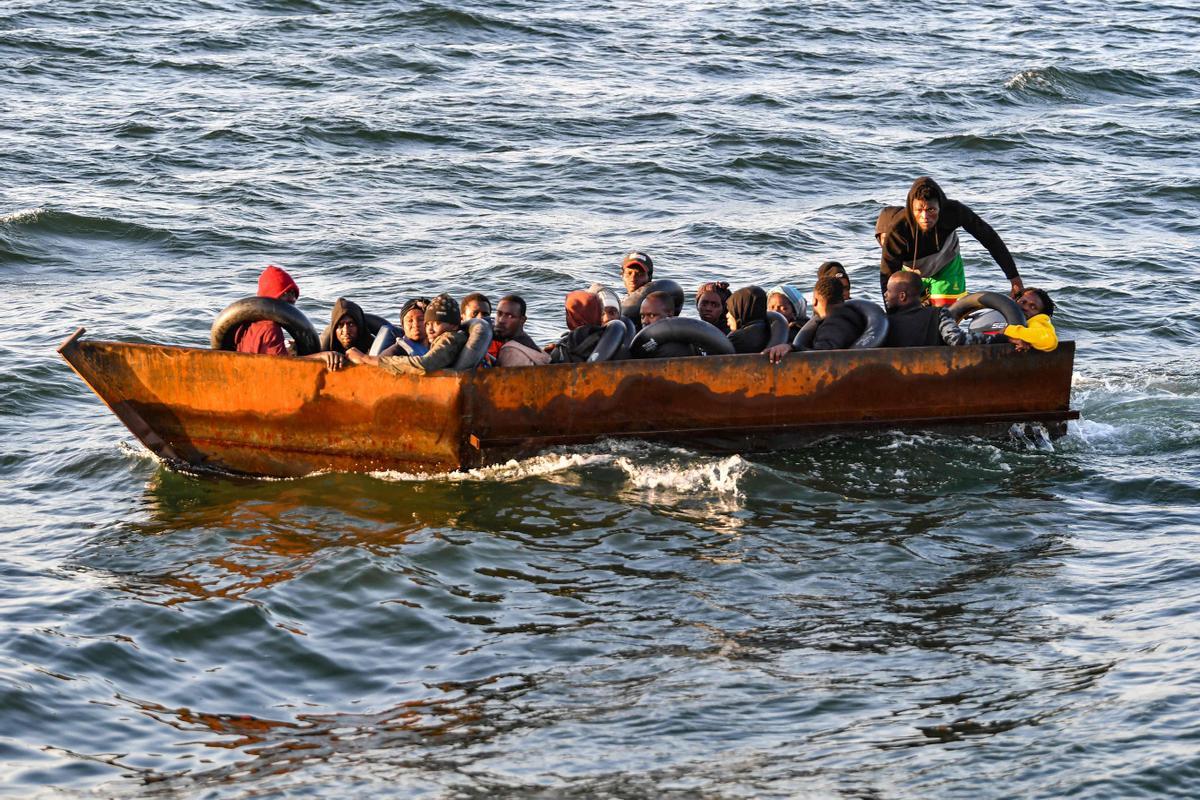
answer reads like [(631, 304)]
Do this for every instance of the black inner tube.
[(682, 330), (479, 338), (994, 300), (615, 336), (253, 309), (877, 324), (631, 306), (779, 328)]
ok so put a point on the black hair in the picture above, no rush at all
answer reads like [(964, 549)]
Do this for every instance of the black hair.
[(831, 289), (912, 282), (829, 268), (513, 298), (476, 296), (928, 191), (1047, 303), (666, 299)]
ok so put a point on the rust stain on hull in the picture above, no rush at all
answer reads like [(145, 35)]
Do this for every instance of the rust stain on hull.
[(263, 415)]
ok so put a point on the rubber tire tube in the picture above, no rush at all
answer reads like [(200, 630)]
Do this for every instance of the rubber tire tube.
[(479, 339), (1012, 312), (684, 330), (615, 333), (779, 328), (877, 324), (631, 306), (253, 309)]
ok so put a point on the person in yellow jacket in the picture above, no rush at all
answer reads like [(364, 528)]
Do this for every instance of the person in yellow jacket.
[(1038, 330)]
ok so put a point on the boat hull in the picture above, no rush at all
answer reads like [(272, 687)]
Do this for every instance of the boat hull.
[(264, 415)]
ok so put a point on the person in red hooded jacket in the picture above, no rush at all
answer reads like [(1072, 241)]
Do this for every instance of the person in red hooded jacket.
[(265, 336)]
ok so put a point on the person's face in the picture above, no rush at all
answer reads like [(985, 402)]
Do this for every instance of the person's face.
[(926, 213), (780, 303), (634, 276), (290, 296), (509, 320), (730, 322), (434, 329), (610, 313), (895, 295), (710, 308), (476, 309), (414, 324), (1031, 304), (346, 330), (653, 311)]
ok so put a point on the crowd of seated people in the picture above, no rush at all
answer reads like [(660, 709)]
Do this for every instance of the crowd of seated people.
[(921, 274), (431, 332)]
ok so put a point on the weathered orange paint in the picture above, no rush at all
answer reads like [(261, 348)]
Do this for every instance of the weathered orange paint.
[(266, 415)]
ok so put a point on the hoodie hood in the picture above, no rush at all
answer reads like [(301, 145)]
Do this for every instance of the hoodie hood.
[(747, 305), (583, 309), (342, 307), (924, 180), (274, 282)]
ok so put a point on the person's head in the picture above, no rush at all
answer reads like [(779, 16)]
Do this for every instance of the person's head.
[(442, 316), (787, 300), (925, 201), (609, 301), (710, 302), (582, 308), (1034, 302), (636, 270), (278, 285), (656, 306), (745, 306), (348, 325), (827, 294), (903, 291), (834, 269), (510, 317), (412, 319), (475, 306)]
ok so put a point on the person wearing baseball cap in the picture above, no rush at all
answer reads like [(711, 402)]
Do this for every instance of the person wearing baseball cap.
[(446, 341), (636, 270)]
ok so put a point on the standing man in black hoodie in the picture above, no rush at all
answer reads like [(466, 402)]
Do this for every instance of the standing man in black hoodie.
[(923, 237)]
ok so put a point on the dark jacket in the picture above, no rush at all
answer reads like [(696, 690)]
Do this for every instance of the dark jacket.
[(922, 326), (748, 307), (838, 329), (753, 338), (575, 346), (896, 229)]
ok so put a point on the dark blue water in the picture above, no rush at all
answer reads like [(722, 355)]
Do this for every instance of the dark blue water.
[(893, 616)]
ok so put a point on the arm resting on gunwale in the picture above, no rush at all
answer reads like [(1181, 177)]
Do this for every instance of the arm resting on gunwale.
[(442, 354)]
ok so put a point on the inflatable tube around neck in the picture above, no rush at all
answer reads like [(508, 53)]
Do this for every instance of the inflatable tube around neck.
[(615, 338), (684, 330), (779, 328), (631, 306), (479, 338), (877, 324), (253, 309), (872, 336), (977, 300)]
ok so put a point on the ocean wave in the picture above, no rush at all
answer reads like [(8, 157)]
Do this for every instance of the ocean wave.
[(1064, 83), (46, 221)]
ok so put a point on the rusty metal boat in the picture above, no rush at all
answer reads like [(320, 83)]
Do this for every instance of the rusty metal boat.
[(261, 415)]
